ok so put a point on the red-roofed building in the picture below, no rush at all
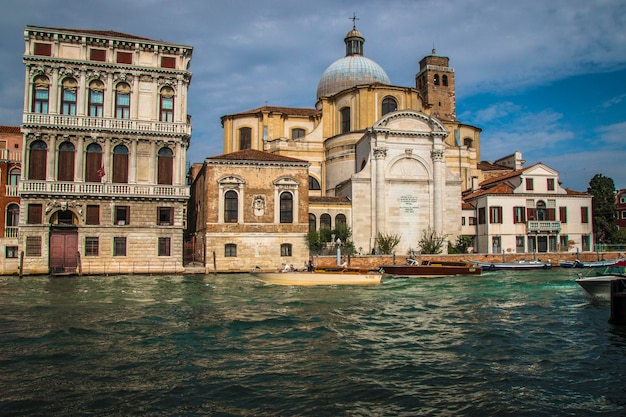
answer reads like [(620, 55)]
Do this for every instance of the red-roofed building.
[(620, 205), (10, 171), (525, 210)]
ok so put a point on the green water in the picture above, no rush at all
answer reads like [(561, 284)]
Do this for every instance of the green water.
[(505, 343)]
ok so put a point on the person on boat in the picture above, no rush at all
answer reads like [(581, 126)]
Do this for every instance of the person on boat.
[(309, 266), (344, 264)]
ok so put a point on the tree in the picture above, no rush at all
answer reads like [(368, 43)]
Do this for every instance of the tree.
[(342, 231), (463, 242), (386, 243), (431, 242), (314, 242), (603, 208)]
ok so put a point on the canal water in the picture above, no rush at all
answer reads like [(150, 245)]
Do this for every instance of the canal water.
[(505, 343)]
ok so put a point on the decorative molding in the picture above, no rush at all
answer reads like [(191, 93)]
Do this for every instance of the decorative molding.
[(436, 155), (380, 153)]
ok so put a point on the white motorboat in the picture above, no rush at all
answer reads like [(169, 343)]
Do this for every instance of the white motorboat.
[(599, 285)]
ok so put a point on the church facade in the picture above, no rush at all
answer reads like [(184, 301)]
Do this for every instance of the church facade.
[(397, 153)]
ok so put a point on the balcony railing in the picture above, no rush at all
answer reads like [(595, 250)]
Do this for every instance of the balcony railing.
[(10, 190), (103, 189), (10, 156), (539, 226), (102, 123), (11, 231)]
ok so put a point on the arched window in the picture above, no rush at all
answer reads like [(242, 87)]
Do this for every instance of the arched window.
[(94, 171), (37, 160), (297, 133), (165, 166), (325, 220), (245, 138), (96, 98), (340, 219), (13, 215), (314, 184), (389, 105), (286, 207), (468, 142), (122, 101), (231, 207), (120, 164), (436, 79), (541, 211), (65, 167), (14, 176), (68, 97), (444, 80), (167, 104), (345, 119), (41, 93), (312, 221)]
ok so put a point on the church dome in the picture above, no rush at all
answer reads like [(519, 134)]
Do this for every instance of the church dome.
[(353, 69)]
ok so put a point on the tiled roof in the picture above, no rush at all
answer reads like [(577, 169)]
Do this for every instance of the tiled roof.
[(292, 111), (572, 192), (10, 129), (488, 166), (467, 206), (502, 188), (254, 155), (506, 176), (328, 199)]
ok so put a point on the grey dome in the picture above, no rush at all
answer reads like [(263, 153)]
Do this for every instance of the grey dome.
[(349, 71), (353, 69)]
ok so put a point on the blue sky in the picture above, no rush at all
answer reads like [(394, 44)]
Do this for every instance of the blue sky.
[(547, 78)]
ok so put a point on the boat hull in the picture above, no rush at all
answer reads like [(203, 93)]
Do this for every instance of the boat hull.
[(597, 286), (338, 277), (429, 271), (519, 266)]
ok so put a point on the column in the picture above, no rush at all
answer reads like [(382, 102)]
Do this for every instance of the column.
[(378, 222), (438, 189)]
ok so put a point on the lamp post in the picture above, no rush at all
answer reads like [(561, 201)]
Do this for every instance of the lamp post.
[(338, 251)]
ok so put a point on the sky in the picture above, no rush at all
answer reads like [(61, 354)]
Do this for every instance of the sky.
[(546, 78)]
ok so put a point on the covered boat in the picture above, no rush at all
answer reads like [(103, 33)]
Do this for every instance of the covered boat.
[(321, 276), (594, 264), (429, 269), (520, 265), (599, 284)]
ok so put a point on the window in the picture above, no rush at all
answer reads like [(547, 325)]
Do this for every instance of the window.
[(468, 142), (463, 221), (98, 55), (519, 244), (541, 211), (43, 49), (122, 101), (68, 97), (65, 168), (13, 215), (96, 98), (564, 242), (444, 80), (314, 184), (41, 88), (584, 214), (93, 214), (519, 214), (164, 246), (552, 243), (34, 214), (325, 221), (165, 216), (529, 184), (10, 252), (124, 58), (63, 217), (624, 214), (495, 214), (231, 207), (92, 246), (436, 79), (563, 214), (285, 249), (120, 164), (167, 104), (286, 207), (496, 244), (94, 170), (389, 105), (297, 133), (230, 250), (586, 243), (245, 138), (33, 245), (168, 62), (344, 116), (340, 219), (119, 246), (482, 218), (550, 184), (472, 221), (165, 166), (122, 215), (532, 244), (312, 222), (622, 199), (14, 176)]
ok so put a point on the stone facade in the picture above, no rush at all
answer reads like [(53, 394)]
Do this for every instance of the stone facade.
[(106, 132)]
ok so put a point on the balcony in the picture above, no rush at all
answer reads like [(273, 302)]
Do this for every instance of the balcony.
[(540, 226), (69, 189), (102, 123), (11, 231), (7, 155)]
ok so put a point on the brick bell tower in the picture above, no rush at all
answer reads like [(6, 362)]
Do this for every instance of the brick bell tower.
[(435, 81)]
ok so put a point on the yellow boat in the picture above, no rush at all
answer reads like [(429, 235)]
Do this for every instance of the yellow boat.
[(321, 276)]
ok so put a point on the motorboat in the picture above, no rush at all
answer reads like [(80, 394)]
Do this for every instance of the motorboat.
[(594, 264), (321, 276), (430, 269), (520, 265), (599, 285)]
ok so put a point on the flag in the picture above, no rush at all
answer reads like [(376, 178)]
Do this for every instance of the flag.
[(101, 172), (457, 137)]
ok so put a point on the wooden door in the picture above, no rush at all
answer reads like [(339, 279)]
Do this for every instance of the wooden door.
[(63, 251)]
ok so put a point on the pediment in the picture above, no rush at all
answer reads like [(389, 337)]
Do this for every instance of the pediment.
[(410, 121)]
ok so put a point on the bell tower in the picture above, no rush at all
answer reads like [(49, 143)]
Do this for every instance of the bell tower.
[(435, 81)]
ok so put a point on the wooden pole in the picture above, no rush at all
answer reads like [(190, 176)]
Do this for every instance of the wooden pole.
[(21, 268)]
